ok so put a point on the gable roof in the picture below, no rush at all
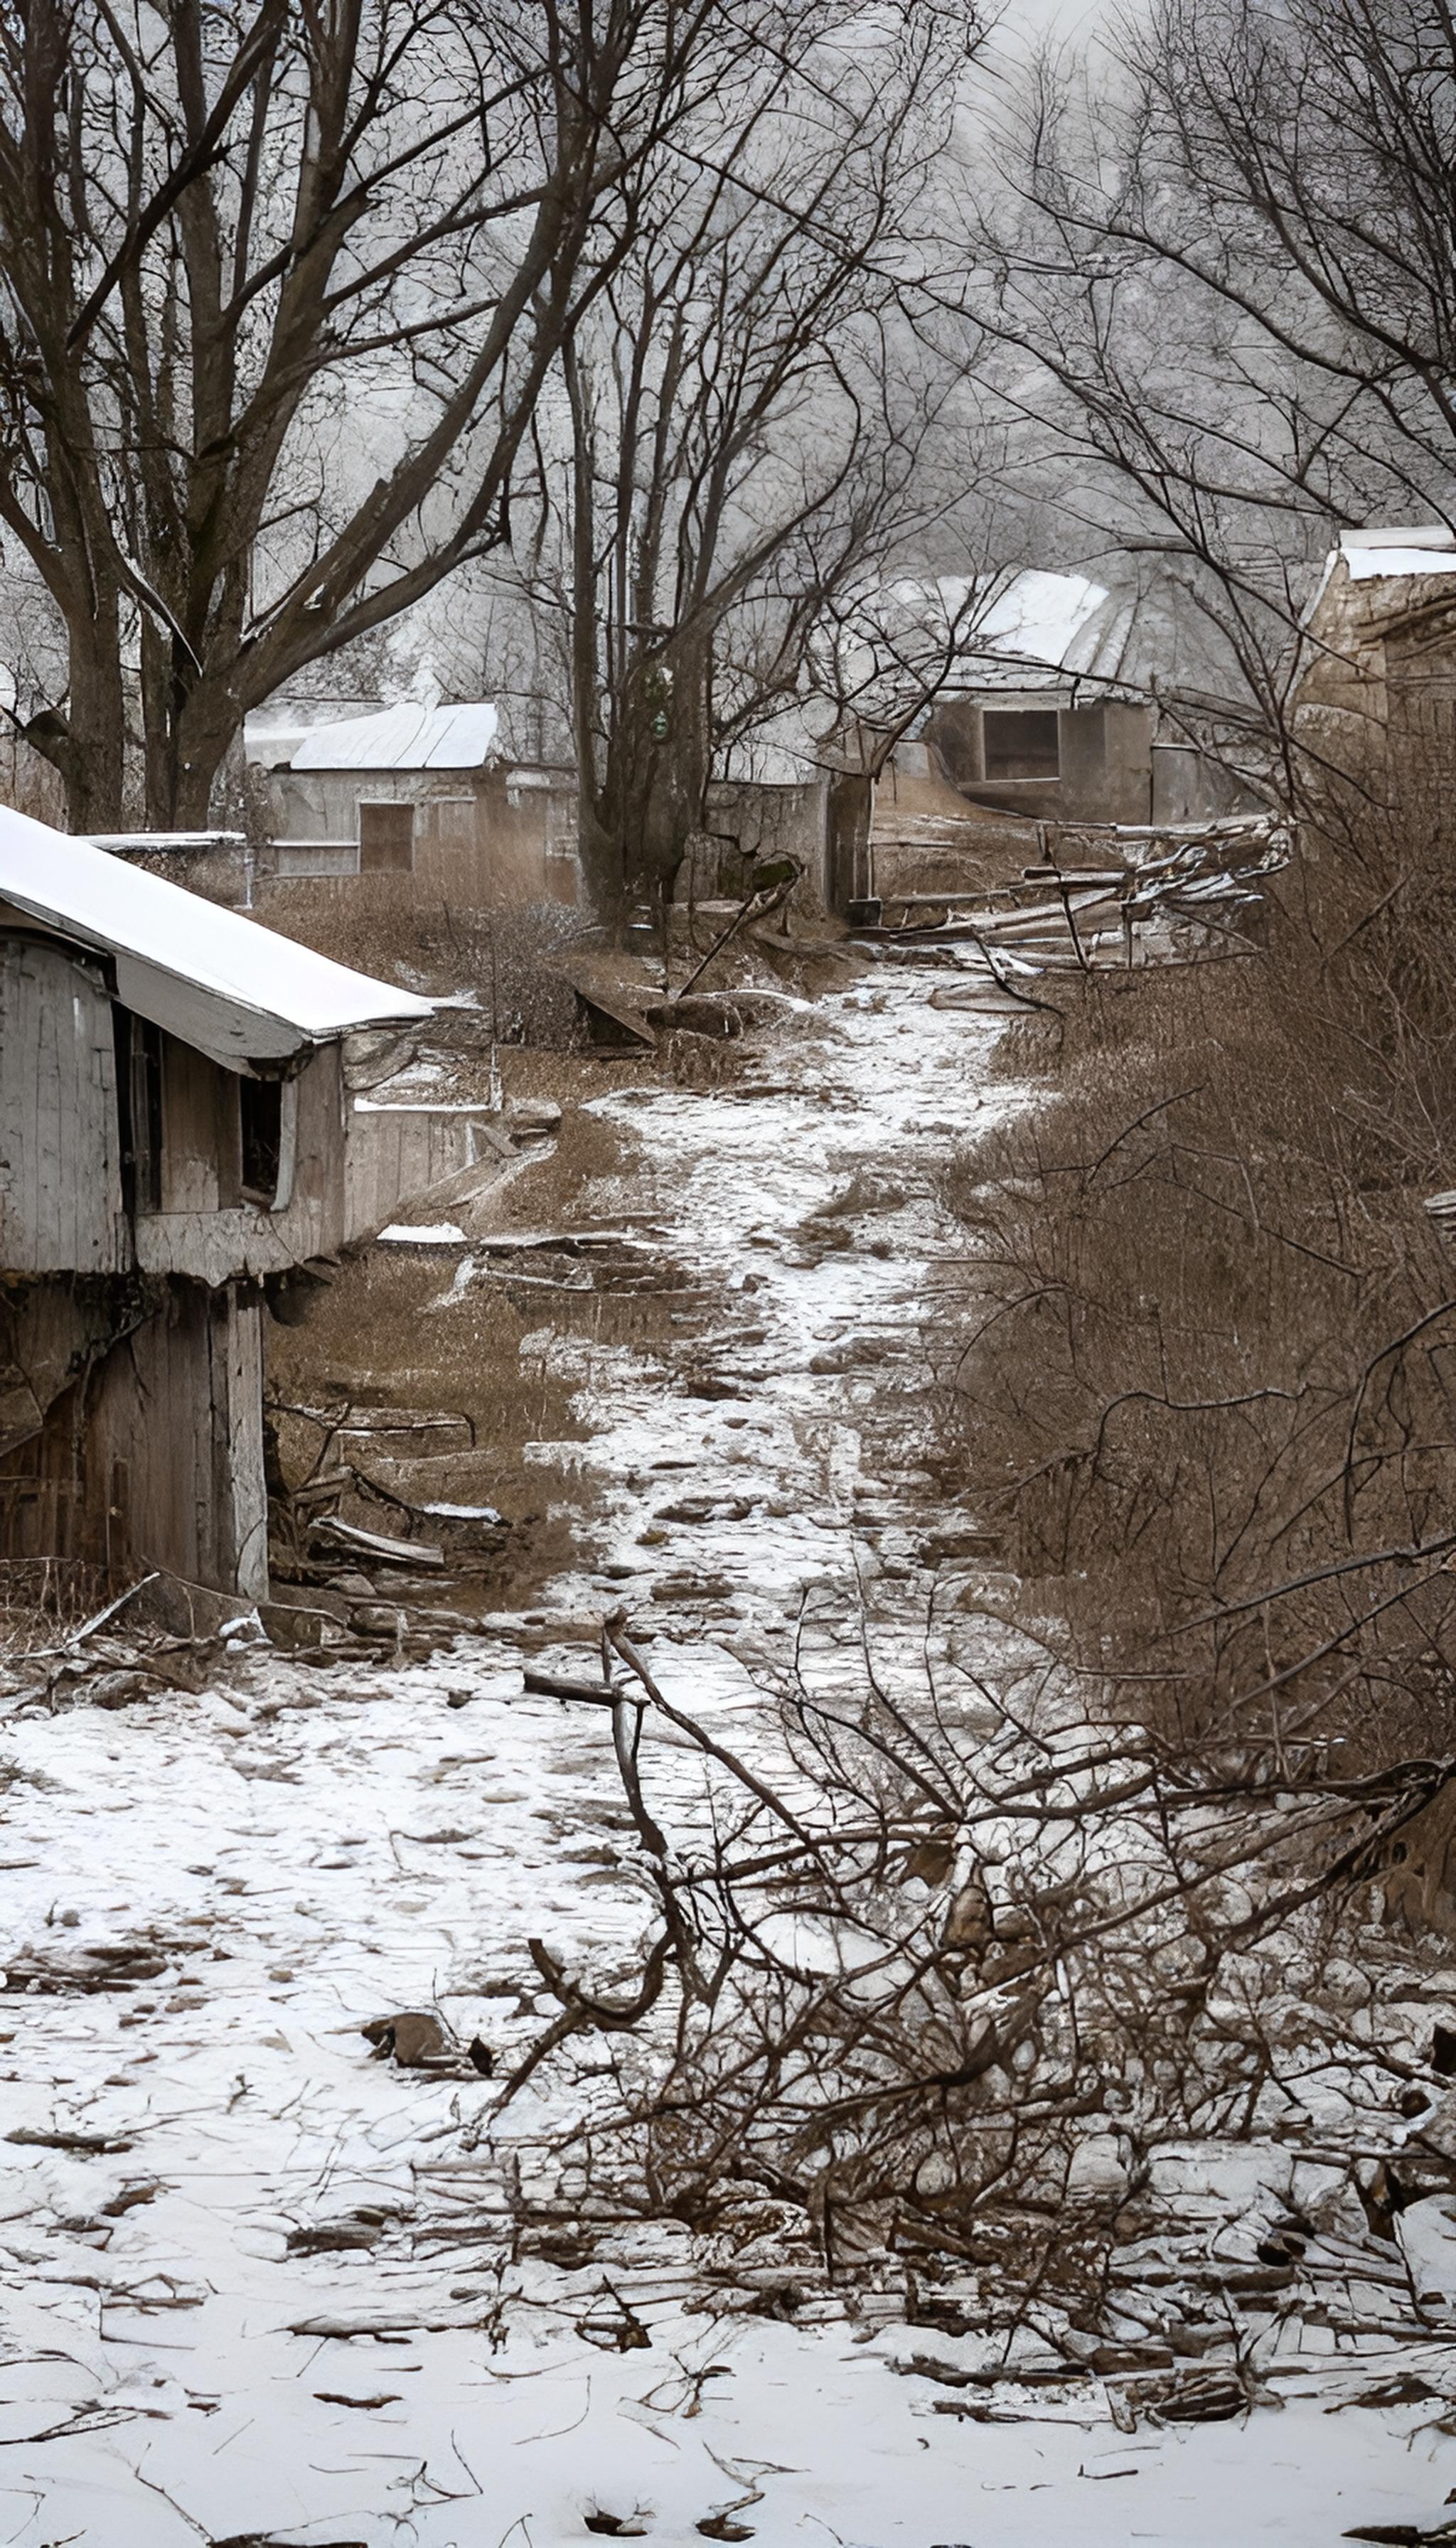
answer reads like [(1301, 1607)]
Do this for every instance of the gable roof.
[(233, 989), (1037, 617), (406, 737)]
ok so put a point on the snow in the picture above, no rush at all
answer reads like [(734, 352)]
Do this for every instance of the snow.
[(461, 1512), (1423, 548), (406, 737), (1366, 564), (218, 980), (1040, 615), (424, 1106), (167, 840), (1036, 617), (311, 1850), (433, 1234)]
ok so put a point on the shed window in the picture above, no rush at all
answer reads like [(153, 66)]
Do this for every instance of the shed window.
[(261, 1104), (140, 1091), (386, 837), (1020, 743)]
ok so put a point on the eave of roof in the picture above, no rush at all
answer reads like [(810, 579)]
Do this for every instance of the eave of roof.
[(222, 983)]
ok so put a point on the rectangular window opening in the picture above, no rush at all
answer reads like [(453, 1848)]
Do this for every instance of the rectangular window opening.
[(386, 838), (139, 1094), (260, 1104), (1020, 743)]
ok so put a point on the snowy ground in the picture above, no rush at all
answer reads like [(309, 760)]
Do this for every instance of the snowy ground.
[(256, 2286)]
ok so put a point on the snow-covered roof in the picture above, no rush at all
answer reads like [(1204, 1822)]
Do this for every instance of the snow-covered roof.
[(1039, 617), (1427, 548), (406, 737), (234, 990), (1140, 633), (1027, 630)]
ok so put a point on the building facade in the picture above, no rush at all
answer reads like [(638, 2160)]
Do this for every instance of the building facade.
[(179, 1143), (415, 804), (1376, 700)]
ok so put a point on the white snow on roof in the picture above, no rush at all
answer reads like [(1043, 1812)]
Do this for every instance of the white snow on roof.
[(1036, 617), (1399, 562), (1427, 548), (221, 982), (406, 737), (1040, 616)]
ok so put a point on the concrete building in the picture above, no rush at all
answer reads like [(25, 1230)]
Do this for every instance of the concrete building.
[(1055, 708), (180, 1140), (415, 804), (771, 801)]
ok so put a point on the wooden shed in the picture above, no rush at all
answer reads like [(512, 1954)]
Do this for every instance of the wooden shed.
[(418, 804), (177, 1141)]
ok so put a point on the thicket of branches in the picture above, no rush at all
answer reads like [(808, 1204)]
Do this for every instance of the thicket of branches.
[(1226, 247), (939, 1982), (746, 421), (1210, 1385), (975, 1951), (231, 233)]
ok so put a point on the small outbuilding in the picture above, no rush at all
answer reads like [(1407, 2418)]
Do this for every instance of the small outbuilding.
[(179, 1145), (415, 804), (1061, 705)]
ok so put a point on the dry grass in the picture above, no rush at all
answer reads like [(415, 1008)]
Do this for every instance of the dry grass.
[(1211, 1355), (511, 958)]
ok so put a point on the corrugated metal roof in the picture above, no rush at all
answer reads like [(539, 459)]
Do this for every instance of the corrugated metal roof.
[(1039, 617), (220, 981), (406, 737)]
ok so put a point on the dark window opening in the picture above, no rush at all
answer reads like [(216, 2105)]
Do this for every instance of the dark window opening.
[(1020, 743), (260, 1104), (139, 1106), (386, 838)]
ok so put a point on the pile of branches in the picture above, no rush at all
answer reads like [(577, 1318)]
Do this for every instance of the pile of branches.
[(952, 1966)]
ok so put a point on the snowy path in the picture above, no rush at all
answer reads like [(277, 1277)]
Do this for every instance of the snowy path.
[(300, 1852)]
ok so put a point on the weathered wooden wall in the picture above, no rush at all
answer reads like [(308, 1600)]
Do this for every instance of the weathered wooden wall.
[(205, 1226), (175, 1442), (131, 1352), (480, 838), (155, 1457), (61, 1170), (397, 1152)]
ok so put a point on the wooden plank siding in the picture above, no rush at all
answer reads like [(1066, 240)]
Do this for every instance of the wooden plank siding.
[(478, 840), (395, 1153), (131, 1338), (155, 1457), (206, 1228), (60, 1167)]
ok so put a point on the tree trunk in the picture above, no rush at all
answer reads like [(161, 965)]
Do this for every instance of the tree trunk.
[(88, 746)]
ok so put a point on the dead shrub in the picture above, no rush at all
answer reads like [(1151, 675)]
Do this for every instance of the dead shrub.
[(514, 959), (1209, 1367)]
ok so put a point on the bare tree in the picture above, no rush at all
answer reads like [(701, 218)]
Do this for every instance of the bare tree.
[(745, 420), (280, 286), (1230, 256)]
